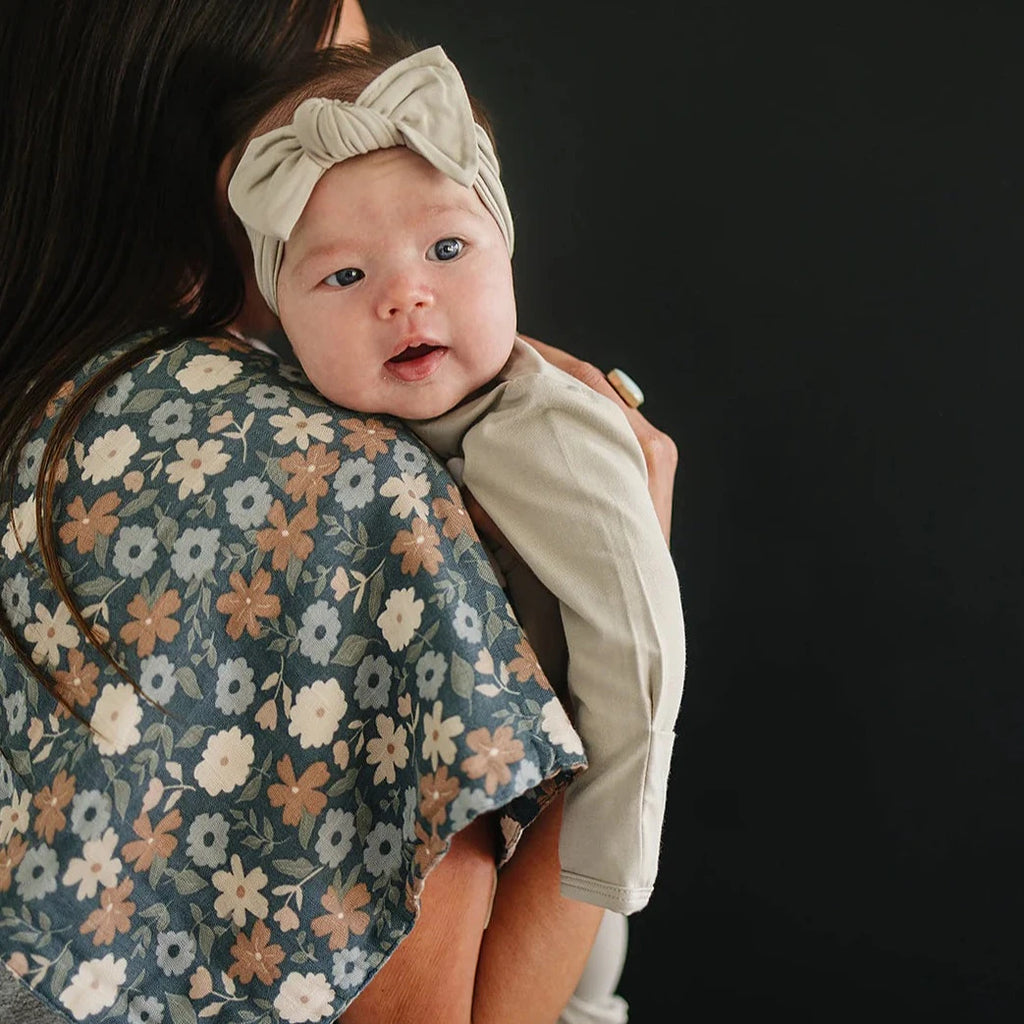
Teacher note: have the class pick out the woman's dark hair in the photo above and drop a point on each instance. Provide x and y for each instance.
(112, 132)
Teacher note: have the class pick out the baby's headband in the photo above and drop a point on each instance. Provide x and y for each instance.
(419, 102)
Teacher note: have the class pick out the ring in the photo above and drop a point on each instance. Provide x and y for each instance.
(628, 389)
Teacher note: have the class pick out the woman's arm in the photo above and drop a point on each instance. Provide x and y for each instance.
(521, 969)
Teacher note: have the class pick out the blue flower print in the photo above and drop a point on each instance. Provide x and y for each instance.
(467, 623)
(466, 806)
(266, 396)
(528, 775)
(135, 551)
(6, 779)
(14, 595)
(170, 420)
(350, 967)
(318, 634)
(157, 679)
(235, 689)
(111, 402)
(334, 838)
(383, 853)
(373, 682)
(17, 710)
(175, 952)
(410, 459)
(430, 673)
(195, 552)
(145, 1010)
(90, 814)
(247, 502)
(208, 840)
(354, 483)
(28, 463)
(36, 876)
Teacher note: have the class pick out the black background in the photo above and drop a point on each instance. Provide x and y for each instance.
(800, 230)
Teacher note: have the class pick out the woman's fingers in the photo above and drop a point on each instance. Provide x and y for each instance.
(660, 452)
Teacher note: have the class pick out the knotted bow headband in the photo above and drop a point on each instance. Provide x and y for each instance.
(419, 102)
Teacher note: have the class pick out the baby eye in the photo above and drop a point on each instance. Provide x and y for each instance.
(447, 248)
(342, 278)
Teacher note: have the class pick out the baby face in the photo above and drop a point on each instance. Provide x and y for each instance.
(396, 287)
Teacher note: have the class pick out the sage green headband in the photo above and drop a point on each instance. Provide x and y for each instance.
(419, 102)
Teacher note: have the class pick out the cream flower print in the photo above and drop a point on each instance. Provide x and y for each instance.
(98, 866)
(14, 816)
(109, 455)
(197, 462)
(304, 998)
(115, 719)
(298, 427)
(387, 750)
(408, 492)
(240, 892)
(21, 528)
(316, 713)
(438, 733)
(207, 372)
(49, 633)
(95, 986)
(226, 761)
(555, 722)
(403, 612)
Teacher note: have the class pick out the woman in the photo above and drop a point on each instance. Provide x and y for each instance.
(116, 610)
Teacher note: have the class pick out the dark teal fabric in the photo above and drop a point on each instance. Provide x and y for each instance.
(330, 685)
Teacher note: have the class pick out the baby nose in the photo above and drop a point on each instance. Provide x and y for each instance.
(403, 295)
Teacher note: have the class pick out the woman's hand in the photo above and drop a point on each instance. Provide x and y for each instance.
(660, 452)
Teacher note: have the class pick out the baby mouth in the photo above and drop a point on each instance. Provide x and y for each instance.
(413, 352)
(417, 362)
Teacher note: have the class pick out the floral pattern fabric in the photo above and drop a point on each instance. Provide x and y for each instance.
(323, 682)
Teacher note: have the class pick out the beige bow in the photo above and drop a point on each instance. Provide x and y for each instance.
(419, 102)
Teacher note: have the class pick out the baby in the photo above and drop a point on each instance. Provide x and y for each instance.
(382, 238)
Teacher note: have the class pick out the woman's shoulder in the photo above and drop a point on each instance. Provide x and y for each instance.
(326, 684)
(196, 369)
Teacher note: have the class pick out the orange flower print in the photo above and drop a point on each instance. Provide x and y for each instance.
(454, 515)
(66, 390)
(418, 547)
(152, 842)
(86, 523)
(343, 916)
(494, 753)
(298, 795)
(286, 538)
(248, 603)
(428, 849)
(226, 345)
(10, 858)
(437, 792)
(50, 801)
(526, 666)
(369, 436)
(307, 472)
(76, 686)
(255, 956)
(151, 621)
(113, 915)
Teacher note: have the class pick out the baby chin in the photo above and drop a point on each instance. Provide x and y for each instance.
(426, 380)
